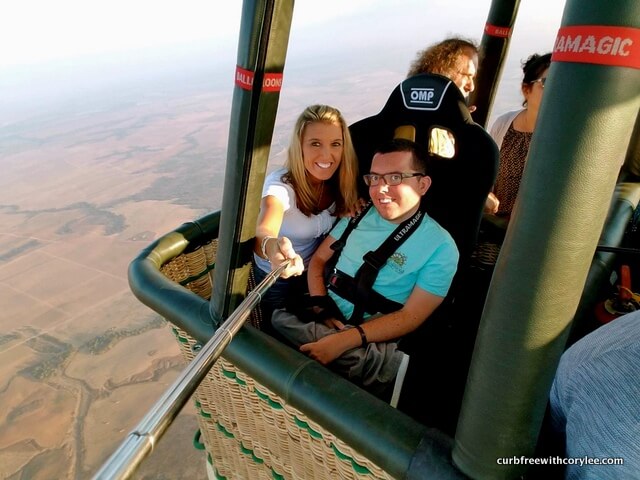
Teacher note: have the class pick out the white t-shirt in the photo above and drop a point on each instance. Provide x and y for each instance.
(305, 233)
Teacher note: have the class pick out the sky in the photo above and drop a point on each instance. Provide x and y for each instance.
(37, 31)
(59, 42)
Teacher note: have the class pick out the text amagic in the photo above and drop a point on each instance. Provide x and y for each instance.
(602, 45)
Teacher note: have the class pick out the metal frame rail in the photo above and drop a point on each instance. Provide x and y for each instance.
(140, 442)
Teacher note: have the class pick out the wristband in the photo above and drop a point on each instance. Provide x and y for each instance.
(363, 336)
(263, 246)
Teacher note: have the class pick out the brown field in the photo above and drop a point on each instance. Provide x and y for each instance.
(81, 360)
(83, 190)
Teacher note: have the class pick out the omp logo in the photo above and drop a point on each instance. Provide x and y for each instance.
(602, 45)
(422, 95)
(423, 92)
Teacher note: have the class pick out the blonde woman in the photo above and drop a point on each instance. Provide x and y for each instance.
(301, 201)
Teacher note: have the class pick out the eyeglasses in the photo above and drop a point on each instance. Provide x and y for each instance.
(391, 179)
(541, 80)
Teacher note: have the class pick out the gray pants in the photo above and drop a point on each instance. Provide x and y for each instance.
(374, 364)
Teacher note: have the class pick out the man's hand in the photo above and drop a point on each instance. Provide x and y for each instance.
(328, 348)
(334, 323)
(491, 204)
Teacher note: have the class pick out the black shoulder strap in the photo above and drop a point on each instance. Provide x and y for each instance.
(374, 261)
(339, 244)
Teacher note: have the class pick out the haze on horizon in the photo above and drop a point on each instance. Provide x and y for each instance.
(64, 50)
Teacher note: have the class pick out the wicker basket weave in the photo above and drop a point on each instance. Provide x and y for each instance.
(486, 254)
(248, 431)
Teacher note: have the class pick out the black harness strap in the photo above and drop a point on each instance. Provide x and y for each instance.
(358, 290)
(345, 286)
(339, 244)
(374, 261)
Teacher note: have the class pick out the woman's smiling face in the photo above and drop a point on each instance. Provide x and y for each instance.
(322, 149)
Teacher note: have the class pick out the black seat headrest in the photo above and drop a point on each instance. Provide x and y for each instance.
(461, 183)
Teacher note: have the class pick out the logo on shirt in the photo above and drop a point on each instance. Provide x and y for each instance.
(397, 261)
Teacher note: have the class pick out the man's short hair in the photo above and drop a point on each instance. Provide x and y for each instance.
(419, 154)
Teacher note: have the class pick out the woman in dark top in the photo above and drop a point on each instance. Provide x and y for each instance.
(512, 132)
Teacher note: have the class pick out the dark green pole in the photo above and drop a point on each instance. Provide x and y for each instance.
(262, 48)
(493, 50)
(590, 106)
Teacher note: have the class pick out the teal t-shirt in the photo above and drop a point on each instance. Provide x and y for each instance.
(427, 259)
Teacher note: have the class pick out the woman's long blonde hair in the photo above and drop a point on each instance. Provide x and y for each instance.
(343, 185)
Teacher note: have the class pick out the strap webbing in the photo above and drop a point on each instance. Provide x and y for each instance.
(345, 286)
(374, 261)
(339, 244)
(360, 291)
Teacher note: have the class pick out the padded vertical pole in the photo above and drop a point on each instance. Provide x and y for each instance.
(493, 48)
(591, 101)
(262, 48)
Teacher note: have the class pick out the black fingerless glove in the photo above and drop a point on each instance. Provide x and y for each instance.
(322, 307)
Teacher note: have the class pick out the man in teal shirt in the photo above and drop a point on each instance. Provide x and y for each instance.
(417, 276)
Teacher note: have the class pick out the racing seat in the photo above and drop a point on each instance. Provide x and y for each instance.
(430, 110)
